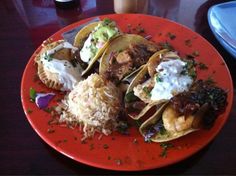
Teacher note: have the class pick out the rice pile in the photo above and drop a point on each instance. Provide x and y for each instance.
(94, 103)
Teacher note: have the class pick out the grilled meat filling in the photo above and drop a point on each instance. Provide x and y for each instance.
(201, 93)
(126, 61)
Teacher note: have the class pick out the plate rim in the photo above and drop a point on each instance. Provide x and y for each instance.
(101, 166)
(220, 39)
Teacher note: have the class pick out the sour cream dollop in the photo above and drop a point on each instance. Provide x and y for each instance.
(171, 79)
(68, 75)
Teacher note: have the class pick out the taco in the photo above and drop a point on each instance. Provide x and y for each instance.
(56, 68)
(164, 76)
(92, 40)
(185, 113)
(125, 55)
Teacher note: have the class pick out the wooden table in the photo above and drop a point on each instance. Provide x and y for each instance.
(25, 24)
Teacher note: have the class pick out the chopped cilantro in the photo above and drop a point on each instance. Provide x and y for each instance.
(138, 123)
(195, 53)
(158, 79)
(48, 110)
(165, 147)
(163, 153)
(123, 127)
(171, 36)
(105, 35)
(147, 91)
(29, 111)
(202, 66)
(189, 56)
(106, 21)
(47, 57)
(210, 80)
(191, 63)
(32, 94)
(61, 141)
(105, 146)
(129, 97)
(166, 45)
(162, 130)
(193, 74)
(188, 42)
(190, 68)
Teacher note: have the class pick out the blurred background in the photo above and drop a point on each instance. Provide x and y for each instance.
(42, 14)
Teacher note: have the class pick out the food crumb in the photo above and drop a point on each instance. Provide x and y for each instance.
(222, 63)
(135, 141)
(83, 142)
(91, 146)
(179, 147)
(188, 42)
(202, 66)
(171, 35)
(50, 130)
(118, 161)
(105, 146)
(165, 147)
(61, 141)
(29, 111)
(195, 53)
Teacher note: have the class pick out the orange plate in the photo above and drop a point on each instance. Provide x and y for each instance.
(122, 152)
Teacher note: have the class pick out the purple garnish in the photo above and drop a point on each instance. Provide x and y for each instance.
(157, 126)
(153, 129)
(42, 99)
(148, 37)
(148, 135)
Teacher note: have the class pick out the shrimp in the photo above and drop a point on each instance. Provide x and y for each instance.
(174, 123)
(168, 117)
(183, 123)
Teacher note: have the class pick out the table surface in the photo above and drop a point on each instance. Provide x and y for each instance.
(25, 24)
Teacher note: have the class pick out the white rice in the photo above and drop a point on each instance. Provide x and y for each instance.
(94, 103)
